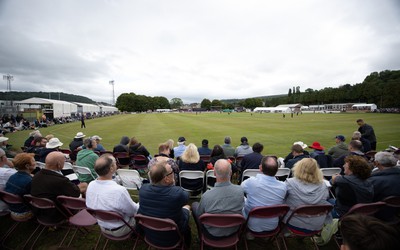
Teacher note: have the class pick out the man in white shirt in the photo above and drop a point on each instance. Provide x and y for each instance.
(105, 194)
(263, 190)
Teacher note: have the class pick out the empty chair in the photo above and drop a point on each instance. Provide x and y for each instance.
(268, 212)
(192, 181)
(210, 179)
(83, 171)
(221, 221)
(110, 216)
(78, 215)
(282, 174)
(129, 178)
(250, 173)
(160, 233)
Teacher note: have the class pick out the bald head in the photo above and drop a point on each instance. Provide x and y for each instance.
(222, 170)
(55, 161)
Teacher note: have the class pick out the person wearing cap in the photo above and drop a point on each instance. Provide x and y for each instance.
(298, 154)
(87, 158)
(290, 155)
(178, 151)
(77, 142)
(227, 147)
(324, 161)
(99, 147)
(204, 149)
(4, 145)
(339, 149)
(244, 148)
(367, 132)
(53, 145)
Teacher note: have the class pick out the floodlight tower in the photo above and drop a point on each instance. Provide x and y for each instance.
(113, 94)
(9, 78)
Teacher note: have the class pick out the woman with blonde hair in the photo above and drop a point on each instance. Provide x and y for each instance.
(190, 160)
(171, 144)
(306, 188)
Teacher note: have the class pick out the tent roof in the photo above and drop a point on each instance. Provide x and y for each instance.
(36, 100)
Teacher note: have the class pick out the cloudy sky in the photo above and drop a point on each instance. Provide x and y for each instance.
(215, 49)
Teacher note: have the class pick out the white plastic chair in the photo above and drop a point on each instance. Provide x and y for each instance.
(328, 172)
(40, 164)
(83, 171)
(282, 173)
(129, 178)
(210, 174)
(250, 173)
(191, 175)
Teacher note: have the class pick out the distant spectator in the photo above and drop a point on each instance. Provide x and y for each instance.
(367, 132)
(178, 151)
(190, 160)
(6, 170)
(123, 147)
(366, 145)
(227, 147)
(324, 161)
(4, 145)
(164, 155)
(77, 142)
(339, 149)
(204, 149)
(244, 148)
(39, 143)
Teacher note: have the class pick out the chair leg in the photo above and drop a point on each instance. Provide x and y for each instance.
(34, 242)
(4, 238)
(98, 240)
(69, 229)
(284, 241)
(27, 241)
(105, 244)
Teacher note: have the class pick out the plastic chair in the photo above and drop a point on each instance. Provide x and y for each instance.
(210, 178)
(238, 160)
(308, 211)
(191, 175)
(65, 151)
(83, 171)
(130, 178)
(123, 159)
(106, 152)
(392, 208)
(205, 158)
(161, 228)
(366, 208)
(82, 218)
(10, 198)
(110, 216)
(139, 162)
(42, 205)
(250, 173)
(282, 174)
(328, 172)
(264, 212)
(221, 221)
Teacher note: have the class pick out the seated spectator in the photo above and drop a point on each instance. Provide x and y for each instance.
(6, 170)
(164, 155)
(170, 144)
(362, 232)
(39, 143)
(178, 151)
(162, 199)
(32, 135)
(99, 147)
(252, 160)
(136, 148)
(324, 161)
(353, 187)
(122, 147)
(87, 158)
(298, 155)
(50, 183)
(227, 147)
(51, 146)
(263, 190)
(340, 149)
(4, 145)
(290, 155)
(20, 184)
(105, 194)
(366, 145)
(218, 153)
(77, 142)
(354, 148)
(306, 188)
(244, 148)
(190, 160)
(204, 149)
(224, 198)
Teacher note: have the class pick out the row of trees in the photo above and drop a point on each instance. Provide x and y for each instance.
(381, 88)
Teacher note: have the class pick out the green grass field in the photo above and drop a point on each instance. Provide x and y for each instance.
(276, 133)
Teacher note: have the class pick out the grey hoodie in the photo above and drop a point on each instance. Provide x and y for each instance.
(243, 150)
(302, 193)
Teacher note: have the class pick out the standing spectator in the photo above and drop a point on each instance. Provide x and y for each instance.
(224, 198)
(339, 149)
(367, 132)
(178, 151)
(87, 158)
(83, 125)
(227, 147)
(263, 190)
(204, 149)
(105, 194)
(244, 148)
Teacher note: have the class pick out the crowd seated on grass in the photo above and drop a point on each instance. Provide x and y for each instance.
(357, 184)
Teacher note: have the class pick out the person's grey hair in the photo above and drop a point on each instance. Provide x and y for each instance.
(356, 135)
(227, 140)
(223, 173)
(386, 159)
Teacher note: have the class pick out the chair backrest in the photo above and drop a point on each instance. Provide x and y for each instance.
(392, 201)
(109, 216)
(210, 179)
(10, 198)
(250, 173)
(79, 170)
(366, 208)
(123, 158)
(72, 203)
(191, 175)
(238, 160)
(324, 161)
(282, 174)
(269, 211)
(205, 158)
(222, 220)
(310, 211)
(40, 203)
(130, 178)
(65, 151)
(40, 164)
(328, 172)
(139, 161)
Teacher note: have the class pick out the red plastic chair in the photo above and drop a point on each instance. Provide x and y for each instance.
(222, 221)
(366, 208)
(123, 159)
(139, 162)
(265, 212)
(308, 211)
(161, 227)
(10, 198)
(111, 216)
(82, 218)
(205, 158)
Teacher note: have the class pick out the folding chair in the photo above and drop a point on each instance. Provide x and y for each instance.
(43, 205)
(106, 152)
(308, 211)
(110, 216)
(10, 198)
(265, 212)
(65, 151)
(160, 230)
(139, 162)
(187, 176)
(205, 158)
(221, 221)
(250, 173)
(282, 174)
(130, 178)
(366, 208)
(238, 160)
(83, 171)
(328, 172)
(82, 218)
(123, 159)
(210, 179)
(392, 209)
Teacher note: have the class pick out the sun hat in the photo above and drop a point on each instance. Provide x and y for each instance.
(96, 137)
(301, 144)
(316, 145)
(79, 135)
(53, 143)
(2, 139)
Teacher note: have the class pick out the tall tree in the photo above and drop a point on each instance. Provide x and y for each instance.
(205, 104)
(176, 103)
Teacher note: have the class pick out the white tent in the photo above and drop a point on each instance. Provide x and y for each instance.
(85, 108)
(49, 107)
(365, 106)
